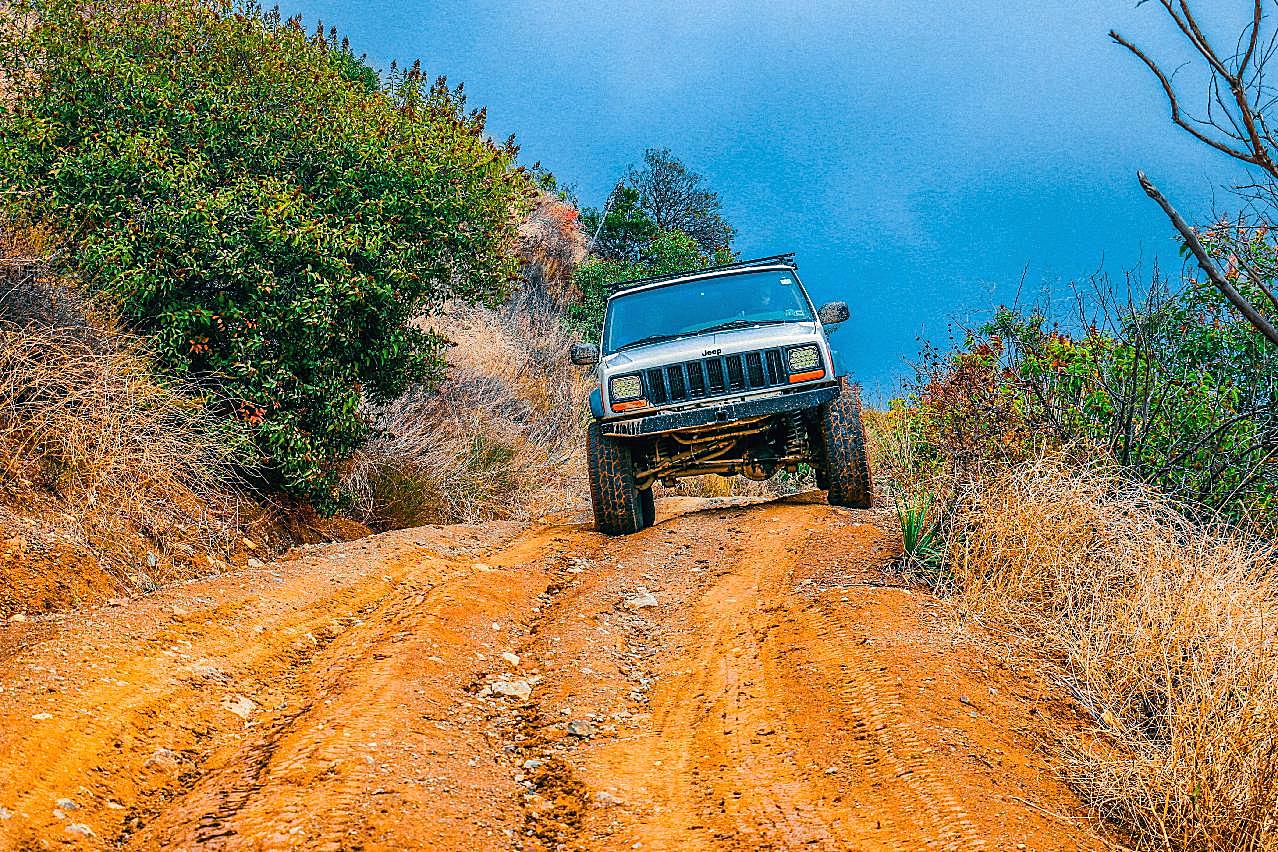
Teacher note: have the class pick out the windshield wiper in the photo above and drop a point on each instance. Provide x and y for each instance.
(655, 338)
(728, 326)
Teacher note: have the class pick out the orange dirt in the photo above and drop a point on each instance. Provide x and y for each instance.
(491, 688)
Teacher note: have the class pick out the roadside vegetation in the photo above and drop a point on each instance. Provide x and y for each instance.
(113, 481)
(270, 212)
(1097, 489)
(503, 435)
(224, 239)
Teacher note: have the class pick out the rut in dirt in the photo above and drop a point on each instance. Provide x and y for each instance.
(739, 676)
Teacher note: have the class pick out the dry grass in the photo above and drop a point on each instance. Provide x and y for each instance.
(503, 438)
(1164, 630)
(100, 458)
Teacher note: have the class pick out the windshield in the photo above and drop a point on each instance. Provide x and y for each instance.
(729, 301)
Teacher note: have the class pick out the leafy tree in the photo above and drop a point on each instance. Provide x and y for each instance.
(662, 197)
(259, 202)
(660, 220)
(676, 199)
(626, 231)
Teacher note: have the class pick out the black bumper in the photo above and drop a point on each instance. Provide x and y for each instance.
(722, 413)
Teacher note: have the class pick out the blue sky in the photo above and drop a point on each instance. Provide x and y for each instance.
(918, 156)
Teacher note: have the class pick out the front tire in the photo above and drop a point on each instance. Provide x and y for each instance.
(618, 504)
(842, 434)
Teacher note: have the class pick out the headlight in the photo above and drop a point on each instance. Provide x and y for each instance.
(804, 359)
(622, 388)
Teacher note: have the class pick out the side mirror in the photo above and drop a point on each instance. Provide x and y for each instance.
(833, 313)
(584, 354)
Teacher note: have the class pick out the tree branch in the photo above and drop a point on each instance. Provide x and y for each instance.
(1213, 272)
(1177, 118)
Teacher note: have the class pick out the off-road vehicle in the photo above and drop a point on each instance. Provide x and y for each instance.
(726, 371)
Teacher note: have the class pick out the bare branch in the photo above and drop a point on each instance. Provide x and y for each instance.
(1179, 119)
(1257, 15)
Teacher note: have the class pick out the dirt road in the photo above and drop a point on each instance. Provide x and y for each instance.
(736, 677)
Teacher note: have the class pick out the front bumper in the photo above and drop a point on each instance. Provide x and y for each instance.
(722, 413)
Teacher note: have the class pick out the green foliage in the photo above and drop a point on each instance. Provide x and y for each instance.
(625, 232)
(663, 197)
(667, 253)
(919, 529)
(1180, 391)
(661, 220)
(675, 198)
(259, 202)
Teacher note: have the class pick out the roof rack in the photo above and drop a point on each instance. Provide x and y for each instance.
(786, 259)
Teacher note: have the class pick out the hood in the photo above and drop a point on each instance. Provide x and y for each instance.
(692, 348)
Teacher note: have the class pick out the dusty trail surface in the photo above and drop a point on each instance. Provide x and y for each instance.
(736, 677)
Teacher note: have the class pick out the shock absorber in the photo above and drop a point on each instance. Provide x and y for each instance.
(796, 436)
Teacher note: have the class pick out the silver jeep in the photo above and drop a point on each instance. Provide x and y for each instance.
(726, 371)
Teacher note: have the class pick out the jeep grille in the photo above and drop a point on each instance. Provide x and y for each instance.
(709, 377)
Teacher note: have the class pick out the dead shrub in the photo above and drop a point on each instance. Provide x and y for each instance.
(1162, 628)
(98, 451)
(502, 438)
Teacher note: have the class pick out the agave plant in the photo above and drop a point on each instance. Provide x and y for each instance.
(919, 529)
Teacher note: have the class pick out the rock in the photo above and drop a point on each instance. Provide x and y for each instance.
(206, 669)
(254, 562)
(240, 705)
(249, 543)
(5, 813)
(163, 760)
(80, 828)
(641, 599)
(40, 717)
(604, 797)
(520, 689)
(18, 617)
(67, 805)
(511, 658)
(581, 728)
(152, 560)
(533, 763)
(963, 699)
(117, 602)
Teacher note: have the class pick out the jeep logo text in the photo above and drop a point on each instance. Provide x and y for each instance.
(710, 352)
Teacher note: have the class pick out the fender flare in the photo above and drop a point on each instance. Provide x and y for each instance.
(596, 404)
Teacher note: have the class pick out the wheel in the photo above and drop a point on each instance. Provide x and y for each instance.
(649, 504)
(842, 448)
(618, 504)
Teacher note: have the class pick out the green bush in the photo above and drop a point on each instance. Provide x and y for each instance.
(1179, 391)
(259, 202)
